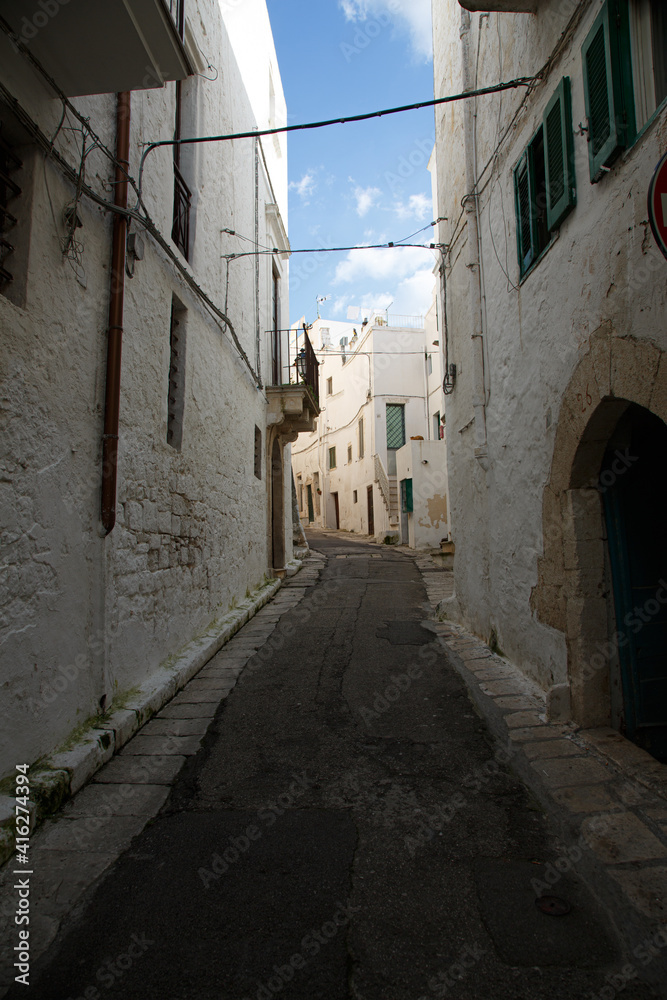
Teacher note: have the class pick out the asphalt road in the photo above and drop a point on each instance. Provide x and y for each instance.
(348, 831)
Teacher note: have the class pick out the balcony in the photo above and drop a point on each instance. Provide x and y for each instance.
(101, 46)
(506, 6)
(294, 404)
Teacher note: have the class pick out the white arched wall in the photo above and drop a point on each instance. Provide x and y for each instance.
(570, 595)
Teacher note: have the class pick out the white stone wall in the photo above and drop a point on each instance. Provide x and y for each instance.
(603, 268)
(386, 365)
(83, 617)
(425, 463)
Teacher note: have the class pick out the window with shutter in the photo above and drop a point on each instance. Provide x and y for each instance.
(176, 388)
(524, 214)
(395, 425)
(559, 155)
(608, 86)
(407, 505)
(544, 179)
(530, 187)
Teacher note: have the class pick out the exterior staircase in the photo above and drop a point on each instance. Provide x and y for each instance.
(389, 490)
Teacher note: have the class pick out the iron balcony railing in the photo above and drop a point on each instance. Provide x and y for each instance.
(180, 233)
(301, 366)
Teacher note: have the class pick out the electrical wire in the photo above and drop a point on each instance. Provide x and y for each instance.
(371, 246)
(524, 81)
(362, 246)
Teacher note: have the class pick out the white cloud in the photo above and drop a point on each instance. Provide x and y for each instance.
(366, 199)
(415, 15)
(305, 187)
(388, 266)
(414, 295)
(418, 208)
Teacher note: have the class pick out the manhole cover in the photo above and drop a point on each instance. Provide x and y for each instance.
(553, 906)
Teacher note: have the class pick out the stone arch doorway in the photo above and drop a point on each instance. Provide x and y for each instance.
(277, 507)
(618, 385)
(633, 484)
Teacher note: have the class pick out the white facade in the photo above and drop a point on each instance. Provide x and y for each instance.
(86, 617)
(549, 355)
(346, 475)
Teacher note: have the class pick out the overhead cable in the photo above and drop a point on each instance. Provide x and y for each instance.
(523, 81)
(364, 246)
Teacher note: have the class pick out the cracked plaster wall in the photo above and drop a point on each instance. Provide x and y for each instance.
(81, 616)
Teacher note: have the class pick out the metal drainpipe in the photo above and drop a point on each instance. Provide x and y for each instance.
(116, 302)
(474, 272)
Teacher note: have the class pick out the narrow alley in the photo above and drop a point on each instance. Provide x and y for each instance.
(322, 814)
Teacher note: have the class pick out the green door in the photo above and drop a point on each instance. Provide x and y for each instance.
(311, 511)
(634, 486)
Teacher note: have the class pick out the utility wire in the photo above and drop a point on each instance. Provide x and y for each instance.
(365, 246)
(523, 81)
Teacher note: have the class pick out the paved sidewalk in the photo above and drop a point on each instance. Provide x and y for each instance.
(70, 852)
(600, 789)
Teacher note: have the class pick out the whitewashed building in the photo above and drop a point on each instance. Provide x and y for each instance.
(142, 492)
(557, 325)
(376, 463)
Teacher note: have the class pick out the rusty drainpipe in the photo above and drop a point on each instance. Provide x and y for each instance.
(116, 300)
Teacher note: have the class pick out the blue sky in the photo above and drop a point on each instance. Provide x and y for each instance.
(364, 182)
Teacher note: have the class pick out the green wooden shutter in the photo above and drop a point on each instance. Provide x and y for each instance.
(559, 155)
(524, 213)
(406, 496)
(608, 86)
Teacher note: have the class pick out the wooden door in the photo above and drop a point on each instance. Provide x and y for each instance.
(634, 481)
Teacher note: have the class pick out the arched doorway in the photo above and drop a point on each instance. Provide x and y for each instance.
(616, 399)
(633, 484)
(277, 507)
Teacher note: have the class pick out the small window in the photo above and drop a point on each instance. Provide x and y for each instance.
(10, 192)
(361, 438)
(329, 386)
(395, 425)
(354, 496)
(608, 86)
(332, 458)
(648, 35)
(436, 426)
(544, 179)
(258, 453)
(349, 454)
(406, 496)
(176, 397)
(429, 364)
(18, 163)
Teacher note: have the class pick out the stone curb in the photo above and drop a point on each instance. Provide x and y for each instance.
(61, 775)
(592, 783)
